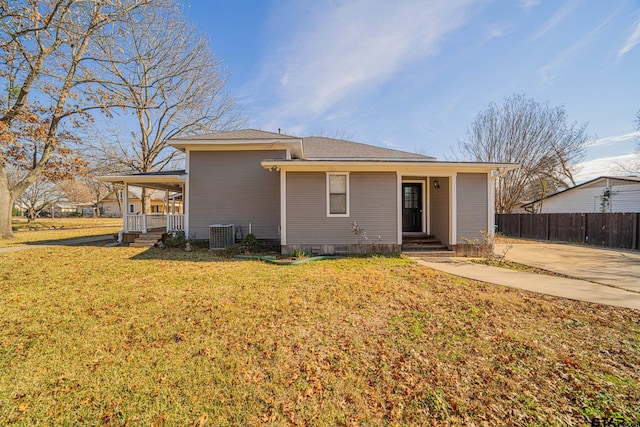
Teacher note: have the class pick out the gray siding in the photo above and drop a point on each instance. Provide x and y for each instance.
(472, 205)
(439, 202)
(231, 187)
(373, 206)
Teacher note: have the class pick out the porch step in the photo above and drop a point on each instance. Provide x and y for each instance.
(417, 247)
(430, 254)
(424, 245)
(419, 238)
(148, 240)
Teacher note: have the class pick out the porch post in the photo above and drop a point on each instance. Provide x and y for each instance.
(453, 204)
(143, 222)
(491, 214)
(125, 208)
(166, 202)
(399, 208)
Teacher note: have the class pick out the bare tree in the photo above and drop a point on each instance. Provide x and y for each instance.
(75, 191)
(40, 196)
(630, 166)
(44, 69)
(341, 133)
(537, 137)
(168, 83)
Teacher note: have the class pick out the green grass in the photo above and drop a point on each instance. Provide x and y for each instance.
(51, 230)
(121, 336)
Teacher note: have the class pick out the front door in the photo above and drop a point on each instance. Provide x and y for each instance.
(412, 207)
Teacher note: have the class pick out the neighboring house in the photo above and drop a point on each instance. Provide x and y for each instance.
(308, 192)
(110, 205)
(603, 194)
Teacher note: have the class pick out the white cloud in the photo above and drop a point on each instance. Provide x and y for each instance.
(604, 166)
(527, 5)
(555, 20)
(566, 55)
(631, 42)
(608, 140)
(346, 49)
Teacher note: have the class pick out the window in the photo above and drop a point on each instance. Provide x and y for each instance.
(131, 208)
(337, 194)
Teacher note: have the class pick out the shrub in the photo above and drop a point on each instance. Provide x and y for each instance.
(175, 239)
(297, 254)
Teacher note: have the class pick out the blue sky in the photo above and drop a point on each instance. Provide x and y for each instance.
(412, 75)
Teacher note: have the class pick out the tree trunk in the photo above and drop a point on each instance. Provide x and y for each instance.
(6, 206)
(146, 200)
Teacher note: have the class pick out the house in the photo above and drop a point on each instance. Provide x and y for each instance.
(604, 194)
(307, 193)
(110, 205)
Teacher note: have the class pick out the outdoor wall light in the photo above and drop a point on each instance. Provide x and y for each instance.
(436, 184)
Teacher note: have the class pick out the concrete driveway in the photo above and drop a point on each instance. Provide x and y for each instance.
(606, 266)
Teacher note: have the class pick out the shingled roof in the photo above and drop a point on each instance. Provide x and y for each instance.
(316, 147)
(313, 147)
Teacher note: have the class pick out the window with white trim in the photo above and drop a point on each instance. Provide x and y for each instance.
(337, 194)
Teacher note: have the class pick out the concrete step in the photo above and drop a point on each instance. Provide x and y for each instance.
(142, 244)
(424, 247)
(421, 242)
(152, 235)
(429, 254)
(152, 241)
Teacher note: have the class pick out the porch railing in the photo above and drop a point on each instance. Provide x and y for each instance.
(145, 222)
(175, 222)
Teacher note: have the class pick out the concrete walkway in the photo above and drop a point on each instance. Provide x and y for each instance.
(67, 242)
(611, 267)
(575, 289)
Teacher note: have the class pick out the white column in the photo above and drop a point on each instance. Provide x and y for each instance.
(283, 207)
(125, 207)
(453, 204)
(399, 207)
(427, 204)
(185, 206)
(491, 205)
(143, 222)
(166, 210)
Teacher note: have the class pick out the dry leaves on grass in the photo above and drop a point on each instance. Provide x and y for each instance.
(143, 338)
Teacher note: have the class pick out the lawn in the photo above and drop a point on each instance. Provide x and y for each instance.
(51, 230)
(128, 336)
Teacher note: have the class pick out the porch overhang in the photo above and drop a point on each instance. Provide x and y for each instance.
(171, 181)
(404, 166)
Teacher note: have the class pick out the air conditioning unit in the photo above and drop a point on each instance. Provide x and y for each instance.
(221, 236)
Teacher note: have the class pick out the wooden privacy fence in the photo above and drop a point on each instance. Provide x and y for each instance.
(613, 230)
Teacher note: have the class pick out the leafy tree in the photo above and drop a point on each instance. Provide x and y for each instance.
(534, 135)
(47, 75)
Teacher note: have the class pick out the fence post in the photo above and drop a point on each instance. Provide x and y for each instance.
(634, 227)
(520, 225)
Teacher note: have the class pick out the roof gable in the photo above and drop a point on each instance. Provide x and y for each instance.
(316, 147)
